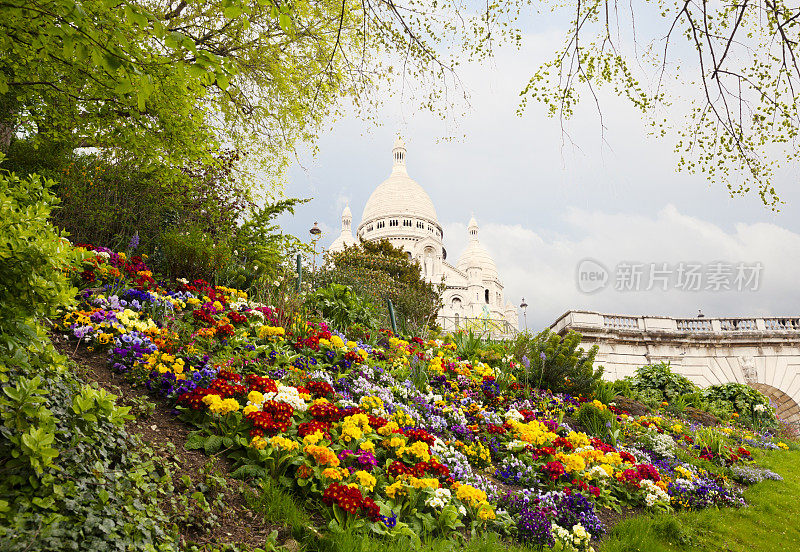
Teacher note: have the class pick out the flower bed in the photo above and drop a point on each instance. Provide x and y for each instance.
(351, 425)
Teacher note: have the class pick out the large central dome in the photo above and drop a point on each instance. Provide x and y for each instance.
(399, 195)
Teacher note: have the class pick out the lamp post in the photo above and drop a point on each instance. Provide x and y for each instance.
(524, 307)
(316, 233)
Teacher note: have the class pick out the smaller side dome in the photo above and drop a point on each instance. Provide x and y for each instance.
(476, 256)
(345, 238)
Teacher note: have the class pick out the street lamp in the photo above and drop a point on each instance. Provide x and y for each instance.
(524, 307)
(315, 235)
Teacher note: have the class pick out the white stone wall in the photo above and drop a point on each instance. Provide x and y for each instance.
(707, 351)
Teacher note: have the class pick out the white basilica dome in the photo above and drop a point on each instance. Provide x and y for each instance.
(399, 195)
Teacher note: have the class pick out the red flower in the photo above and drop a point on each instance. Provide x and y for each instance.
(320, 389)
(324, 412)
(309, 428)
(561, 442)
(236, 318)
(351, 500)
(420, 435)
(627, 457)
(259, 383)
(554, 470)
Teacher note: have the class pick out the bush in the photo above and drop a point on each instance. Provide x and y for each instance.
(550, 361)
(659, 382)
(595, 419)
(194, 254)
(342, 308)
(71, 477)
(32, 253)
(751, 405)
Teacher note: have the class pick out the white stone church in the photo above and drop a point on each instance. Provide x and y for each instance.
(401, 212)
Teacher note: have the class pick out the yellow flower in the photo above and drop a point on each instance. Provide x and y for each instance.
(313, 438)
(486, 512)
(470, 495)
(395, 488)
(337, 342)
(365, 479)
(283, 443)
(255, 397)
(572, 462)
(249, 408)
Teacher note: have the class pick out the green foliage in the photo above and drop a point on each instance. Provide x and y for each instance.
(32, 254)
(557, 363)
(259, 246)
(751, 405)
(341, 308)
(192, 253)
(72, 478)
(468, 344)
(595, 419)
(660, 382)
(377, 272)
(105, 203)
(605, 392)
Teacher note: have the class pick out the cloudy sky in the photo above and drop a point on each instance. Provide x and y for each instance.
(546, 203)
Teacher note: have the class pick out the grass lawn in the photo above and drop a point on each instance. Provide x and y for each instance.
(771, 522)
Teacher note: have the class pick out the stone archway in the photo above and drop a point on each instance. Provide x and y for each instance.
(786, 408)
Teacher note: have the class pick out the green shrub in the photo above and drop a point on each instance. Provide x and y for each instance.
(661, 379)
(595, 419)
(340, 307)
(751, 405)
(550, 361)
(378, 272)
(192, 253)
(72, 479)
(32, 253)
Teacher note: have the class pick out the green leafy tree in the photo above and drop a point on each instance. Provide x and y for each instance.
(379, 272)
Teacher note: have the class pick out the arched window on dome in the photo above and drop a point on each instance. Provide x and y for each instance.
(407, 223)
(487, 296)
(456, 303)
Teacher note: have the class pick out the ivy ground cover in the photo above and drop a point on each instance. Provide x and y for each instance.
(400, 438)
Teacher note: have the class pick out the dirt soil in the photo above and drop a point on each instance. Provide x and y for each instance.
(236, 523)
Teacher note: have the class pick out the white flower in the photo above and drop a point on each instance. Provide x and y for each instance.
(759, 408)
(290, 396)
(440, 498)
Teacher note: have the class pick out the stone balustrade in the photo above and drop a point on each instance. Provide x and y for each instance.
(763, 352)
